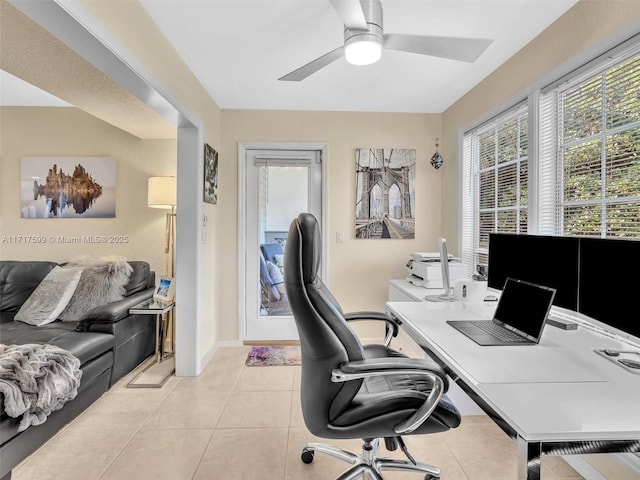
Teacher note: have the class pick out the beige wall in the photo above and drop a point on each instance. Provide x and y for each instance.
(41, 131)
(358, 269)
(590, 26)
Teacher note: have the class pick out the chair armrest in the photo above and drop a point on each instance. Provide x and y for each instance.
(391, 327)
(432, 372)
(115, 311)
(382, 365)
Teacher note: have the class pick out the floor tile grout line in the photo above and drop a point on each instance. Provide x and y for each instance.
(290, 466)
(164, 399)
(138, 430)
(226, 402)
(117, 455)
(204, 451)
(286, 451)
(453, 455)
(213, 430)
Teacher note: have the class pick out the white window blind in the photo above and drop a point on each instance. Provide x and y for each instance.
(470, 255)
(590, 153)
(586, 168)
(495, 183)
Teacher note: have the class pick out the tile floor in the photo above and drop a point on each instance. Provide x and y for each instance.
(238, 422)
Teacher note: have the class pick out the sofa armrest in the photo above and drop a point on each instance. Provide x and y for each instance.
(115, 311)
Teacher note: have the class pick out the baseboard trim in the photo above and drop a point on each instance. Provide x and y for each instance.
(228, 343)
(583, 467)
(589, 471)
(630, 460)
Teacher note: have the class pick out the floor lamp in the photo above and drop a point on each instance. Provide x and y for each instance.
(162, 194)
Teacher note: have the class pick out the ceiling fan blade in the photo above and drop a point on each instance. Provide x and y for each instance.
(351, 13)
(313, 66)
(464, 49)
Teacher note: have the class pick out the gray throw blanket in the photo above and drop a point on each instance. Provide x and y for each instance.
(36, 380)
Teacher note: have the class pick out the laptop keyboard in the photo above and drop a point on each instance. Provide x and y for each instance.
(499, 332)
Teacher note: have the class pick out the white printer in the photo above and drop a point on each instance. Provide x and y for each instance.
(424, 269)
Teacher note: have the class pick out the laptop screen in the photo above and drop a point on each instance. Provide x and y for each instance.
(524, 306)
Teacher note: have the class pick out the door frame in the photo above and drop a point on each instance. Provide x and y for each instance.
(243, 147)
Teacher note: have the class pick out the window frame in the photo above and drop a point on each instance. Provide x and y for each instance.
(471, 225)
(544, 196)
(603, 201)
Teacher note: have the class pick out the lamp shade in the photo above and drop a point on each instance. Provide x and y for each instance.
(161, 192)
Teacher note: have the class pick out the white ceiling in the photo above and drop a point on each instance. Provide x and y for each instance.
(239, 48)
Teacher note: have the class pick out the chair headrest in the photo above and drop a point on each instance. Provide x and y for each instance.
(310, 245)
(305, 239)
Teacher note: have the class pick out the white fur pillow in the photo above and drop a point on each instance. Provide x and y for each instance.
(102, 281)
(50, 297)
(276, 276)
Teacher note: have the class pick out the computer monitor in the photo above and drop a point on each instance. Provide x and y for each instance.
(447, 295)
(609, 270)
(544, 260)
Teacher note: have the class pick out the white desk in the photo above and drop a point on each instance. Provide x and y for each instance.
(400, 290)
(557, 397)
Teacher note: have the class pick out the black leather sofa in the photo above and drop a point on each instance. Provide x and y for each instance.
(108, 341)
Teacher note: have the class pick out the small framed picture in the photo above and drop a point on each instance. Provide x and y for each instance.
(165, 289)
(210, 175)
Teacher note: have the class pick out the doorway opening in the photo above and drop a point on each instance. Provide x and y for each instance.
(279, 183)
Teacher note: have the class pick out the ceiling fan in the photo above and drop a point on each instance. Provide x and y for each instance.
(364, 40)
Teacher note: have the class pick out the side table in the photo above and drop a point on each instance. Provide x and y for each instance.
(159, 309)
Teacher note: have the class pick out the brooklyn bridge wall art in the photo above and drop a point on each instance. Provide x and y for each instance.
(385, 200)
(68, 187)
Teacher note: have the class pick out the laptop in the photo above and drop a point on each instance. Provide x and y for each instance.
(519, 317)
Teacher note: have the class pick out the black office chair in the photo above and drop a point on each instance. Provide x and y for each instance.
(353, 391)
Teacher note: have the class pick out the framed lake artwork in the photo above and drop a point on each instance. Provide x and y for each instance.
(385, 197)
(68, 187)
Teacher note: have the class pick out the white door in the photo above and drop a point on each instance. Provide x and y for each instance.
(280, 184)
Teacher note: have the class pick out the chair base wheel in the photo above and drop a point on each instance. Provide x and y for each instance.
(306, 456)
(368, 464)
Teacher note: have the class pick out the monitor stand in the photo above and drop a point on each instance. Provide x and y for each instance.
(446, 284)
(443, 297)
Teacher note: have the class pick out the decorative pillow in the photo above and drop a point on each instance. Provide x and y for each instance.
(279, 260)
(50, 297)
(102, 281)
(276, 276)
(267, 282)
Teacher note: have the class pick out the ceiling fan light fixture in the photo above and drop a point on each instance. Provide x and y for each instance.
(363, 51)
(364, 47)
(364, 39)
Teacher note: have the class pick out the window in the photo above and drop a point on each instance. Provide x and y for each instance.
(496, 187)
(584, 178)
(594, 173)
